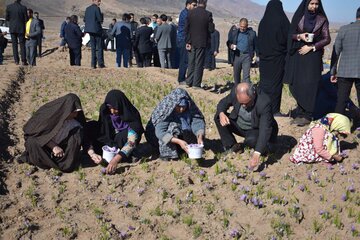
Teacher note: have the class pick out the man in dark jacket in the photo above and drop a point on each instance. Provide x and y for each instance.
(212, 51)
(109, 37)
(93, 20)
(73, 36)
(134, 25)
(251, 118)
(62, 33)
(198, 28)
(143, 44)
(42, 26)
(16, 15)
(244, 45)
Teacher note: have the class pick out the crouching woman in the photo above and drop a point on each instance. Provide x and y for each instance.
(53, 135)
(321, 141)
(175, 123)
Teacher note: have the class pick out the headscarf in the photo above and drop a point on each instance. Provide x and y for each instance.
(128, 116)
(49, 118)
(334, 122)
(167, 105)
(273, 31)
(299, 14)
(185, 117)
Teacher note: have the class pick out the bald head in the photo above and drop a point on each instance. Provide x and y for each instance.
(245, 94)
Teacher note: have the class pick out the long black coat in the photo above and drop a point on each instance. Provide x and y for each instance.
(142, 39)
(93, 19)
(73, 35)
(16, 15)
(261, 117)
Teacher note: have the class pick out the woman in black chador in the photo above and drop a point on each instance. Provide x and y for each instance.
(273, 35)
(309, 34)
(53, 135)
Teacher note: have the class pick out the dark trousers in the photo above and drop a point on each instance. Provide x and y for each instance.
(31, 53)
(195, 67)
(40, 45)
(15, 39)
(251, 136)
(97, 51)
(344, 90)
(183, 60)
(111, 42)
(156, 59)
(210, 61)
(75, 56)
(123, 53)
(242, 62)
(144, 60)
(1, 55)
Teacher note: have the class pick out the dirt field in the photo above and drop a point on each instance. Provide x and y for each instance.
(215, 198)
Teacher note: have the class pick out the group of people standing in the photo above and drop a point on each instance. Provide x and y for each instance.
(26, 29)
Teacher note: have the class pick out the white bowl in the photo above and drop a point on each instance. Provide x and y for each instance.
(195, 151)
(108, 155)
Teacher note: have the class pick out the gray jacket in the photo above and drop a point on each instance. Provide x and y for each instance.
(163, 36)
(161, 129)
(35, 32)
(347, 44)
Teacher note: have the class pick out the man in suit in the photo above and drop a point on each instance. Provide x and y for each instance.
(243, 43)
(42, 25)
(62, 33)
(93, 20)
(134, 25)
(181, 44)
(73, 36)
(109, 37)
(250, 118)
(198, 28)
(32, 33)
(122, 32)
(347, 45)
(174, 55)
(212, 51)
(16, 15)
(163, 39)
(143, 44)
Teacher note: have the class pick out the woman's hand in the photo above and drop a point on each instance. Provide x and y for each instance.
(303, 37)
(111, 168)
(181, 143)
(305, 49)
(200, 139)
(95, 157)
(58, 152)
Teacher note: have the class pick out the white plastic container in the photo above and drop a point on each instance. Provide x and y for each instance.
(310, 37)
(109, 153)
(195, 151)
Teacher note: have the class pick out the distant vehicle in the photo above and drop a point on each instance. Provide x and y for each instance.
(5, 28)
(86, 37)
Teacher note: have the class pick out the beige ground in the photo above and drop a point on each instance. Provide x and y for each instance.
(165, 200)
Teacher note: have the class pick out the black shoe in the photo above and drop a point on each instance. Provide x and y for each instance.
(93, 67)
(102, 66)
(25, 64)
(17, 63)
(301, 121)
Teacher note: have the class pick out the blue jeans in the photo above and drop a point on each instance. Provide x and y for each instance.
(125, 54)
(183, 61)
(97, 51)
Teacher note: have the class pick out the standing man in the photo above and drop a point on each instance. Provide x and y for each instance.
(243, 44)
(62, 34)
(134, 25)
(74, 40)
(181, 44)
(163, 39)
(42, 26)
(154, 19)
(198, 29)
(32, 33)
(122, 32)
(174, 55)
(110, 38)
(143, 44)
(212, 51)
(3, 45)
(16, 15)
(347, 45)
(93, 20)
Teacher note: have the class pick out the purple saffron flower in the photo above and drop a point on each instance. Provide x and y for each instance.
(209, 186)
(261, 204)
(309, 176)
(321, 198)
(123, 235)
(355, 166)
(202, 173)
(274, 199)
(334, 206)
(302, 188)
(126, 204)
(353, 229)
(330, 167)
(351, 188)
(140, 191)
(109, 198)
(262, 174)
(103, 171)
(344, 197)
(243, 197)
(255, 201)
(131, 228)
(27, 223)
(234, 233)
(240, 175)
(234, 181)
(321, 212)
(316, 180)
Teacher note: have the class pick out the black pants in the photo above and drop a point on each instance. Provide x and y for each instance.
(75, 56)
(195, 67)
(144, 60)
(344, 89)
(15, 39)
(97, 51)
(40, 45)
(251, 136)
(183, 60)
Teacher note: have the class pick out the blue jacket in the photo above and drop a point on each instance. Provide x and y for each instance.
(73, 35)
(93, 19)
(62, 29)
(182, 22)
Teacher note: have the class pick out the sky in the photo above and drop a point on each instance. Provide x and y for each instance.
(342, 11)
